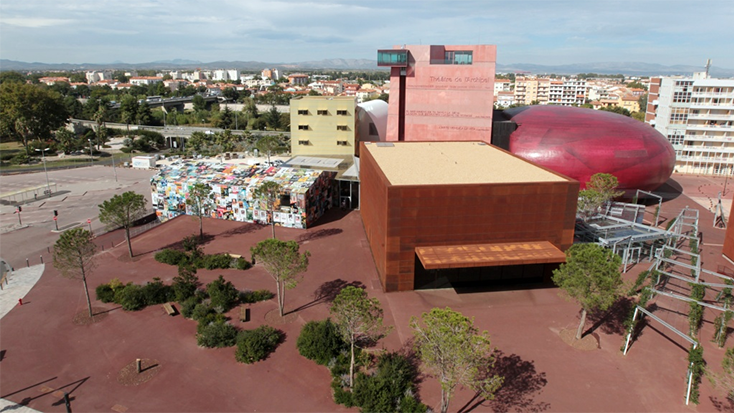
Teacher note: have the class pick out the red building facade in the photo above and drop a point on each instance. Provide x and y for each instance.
(440, 93)
(462, 211)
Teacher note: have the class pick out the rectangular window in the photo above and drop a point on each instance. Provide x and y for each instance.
(303, 111)
(342, 143)
(342, 127)
(342, 113)
(305, 142)
(302, 127)
(457, 58)
(323, 112)
(394, 58)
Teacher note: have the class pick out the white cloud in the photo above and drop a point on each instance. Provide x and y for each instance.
(33, 22)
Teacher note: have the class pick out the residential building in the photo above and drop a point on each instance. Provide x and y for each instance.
(94, 76)
(440, 92)
(145, 80)
(567, 92)
(298, 79)
(504, 99)
(502, 85)
(696, 114)
(530, 90)
(52, 80)
(323, 125)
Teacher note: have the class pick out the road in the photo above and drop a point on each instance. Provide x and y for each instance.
(176, 131)
(79, 192)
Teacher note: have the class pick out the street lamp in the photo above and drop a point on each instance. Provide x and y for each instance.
(43, 156)
(91, 157)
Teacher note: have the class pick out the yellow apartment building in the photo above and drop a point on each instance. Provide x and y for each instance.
(323, 125)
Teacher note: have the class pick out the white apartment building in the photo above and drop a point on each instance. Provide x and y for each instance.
(220, 75)
(97, 75)
(696, 114)
(502, 85)
(145, 80)
(567, 92)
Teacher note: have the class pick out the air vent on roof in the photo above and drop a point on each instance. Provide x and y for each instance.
(481, 143)
(385, 144)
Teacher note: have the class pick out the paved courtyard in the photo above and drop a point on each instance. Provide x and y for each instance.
(45, 354)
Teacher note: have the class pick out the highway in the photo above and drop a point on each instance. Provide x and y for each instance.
(177, 131)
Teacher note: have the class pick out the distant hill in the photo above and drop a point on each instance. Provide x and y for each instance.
(627, 68)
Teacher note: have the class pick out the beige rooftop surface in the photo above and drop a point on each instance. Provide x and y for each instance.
(436, 163)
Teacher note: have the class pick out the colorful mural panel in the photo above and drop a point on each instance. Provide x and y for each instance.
(311, 192)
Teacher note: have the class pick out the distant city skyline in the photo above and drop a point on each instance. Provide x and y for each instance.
(667, 32)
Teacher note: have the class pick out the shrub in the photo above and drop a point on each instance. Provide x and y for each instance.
(383, 391)
(131, 298)
(201, 311)
(216, 261)
(157, 293)
(190, 243)
(319, 341)
(186, 283)
(242, 264)
(341, 396)
(223, 294)
(188, 305)
(251, 297)
(20, 158)
(216, 334)
(172, 257)
(105, 293)
(126, 149)
(255, 345)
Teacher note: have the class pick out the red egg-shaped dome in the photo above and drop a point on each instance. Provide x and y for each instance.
(580, 142)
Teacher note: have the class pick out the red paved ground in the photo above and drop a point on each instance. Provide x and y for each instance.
(45, 351)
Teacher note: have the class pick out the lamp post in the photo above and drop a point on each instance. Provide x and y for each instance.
(43, 156)
(91, 157)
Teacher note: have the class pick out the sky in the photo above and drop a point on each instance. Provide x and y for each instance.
(667, 32)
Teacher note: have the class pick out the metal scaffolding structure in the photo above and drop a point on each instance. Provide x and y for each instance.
(620, 228)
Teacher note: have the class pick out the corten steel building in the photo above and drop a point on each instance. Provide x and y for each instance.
(438, 213)
(440, 93)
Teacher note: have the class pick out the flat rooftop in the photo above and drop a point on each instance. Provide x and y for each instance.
(437, 163)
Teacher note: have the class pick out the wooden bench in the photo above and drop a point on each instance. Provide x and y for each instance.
(170, 309)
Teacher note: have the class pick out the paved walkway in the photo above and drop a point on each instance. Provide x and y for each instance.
(19, 283)
(8, 406)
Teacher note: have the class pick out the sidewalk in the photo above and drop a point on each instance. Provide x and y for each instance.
(8, 406)
(19, 283)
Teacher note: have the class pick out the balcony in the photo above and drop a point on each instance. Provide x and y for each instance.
(711, 116)
(704, 138)
(392, 58)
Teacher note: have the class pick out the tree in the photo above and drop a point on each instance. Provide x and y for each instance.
(358, 319)
(226, 119)
(272, 118)
(283, 262)
(74, 257)
(269, 192)
(30, 112)
(100, 116)
(604, 184)
(196, 141)
(121, 211)
(143, 116)
(128, 110)
(66, 140)
(455, 352)
(616, 109)
(199, 103)
(591, 277)
(199, 201)
(268, 145)
(600, 189)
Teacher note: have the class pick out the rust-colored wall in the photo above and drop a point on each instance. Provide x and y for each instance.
(399, 218)
(728, 250)
(373, 187)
